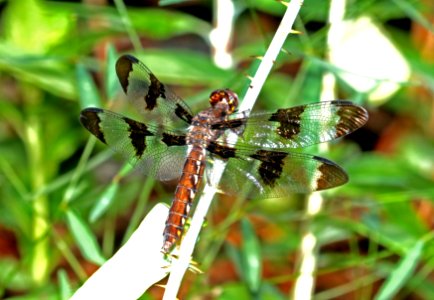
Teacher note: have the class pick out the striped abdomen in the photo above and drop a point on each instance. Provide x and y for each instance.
(185, 192)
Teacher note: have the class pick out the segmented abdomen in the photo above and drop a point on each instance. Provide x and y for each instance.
(185, 192)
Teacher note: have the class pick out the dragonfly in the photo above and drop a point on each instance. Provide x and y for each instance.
(173, 143)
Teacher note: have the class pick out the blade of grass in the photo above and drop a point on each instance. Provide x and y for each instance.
(250, 257)
(84, 238)
(69, 256)
(104, 202)
(399, 276)
(64, 285)
(111, 80)
(135, 39)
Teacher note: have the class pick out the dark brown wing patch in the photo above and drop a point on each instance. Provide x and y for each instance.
(90, 120)
(289, 121)
(124, 66)
(183, 114)
(229, 124)
(271, 166)
(138, 133)
(173, 140)
(220, 150)
(329, 174)
(156, 89)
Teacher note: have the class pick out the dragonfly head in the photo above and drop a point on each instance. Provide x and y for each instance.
(226, 98)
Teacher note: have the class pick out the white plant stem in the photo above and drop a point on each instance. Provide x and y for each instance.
(181, 264)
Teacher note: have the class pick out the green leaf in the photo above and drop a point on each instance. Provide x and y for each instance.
(183, 67)
(51, 74)
(88, 92)
(234, 291)
(64, 285)
(163, 24)
(34, 30)
(171, 2)
(273, 7)
(312, 82)
(111, 80)
(250, 257)
(402, 273)
(412, 11)
(274, 95)
(104, 202)
(84, 238)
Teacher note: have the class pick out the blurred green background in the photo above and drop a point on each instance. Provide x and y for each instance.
(67, 203)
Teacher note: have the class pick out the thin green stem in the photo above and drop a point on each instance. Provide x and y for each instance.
(69, 193)
(35, 152)
(69, 256)
(123, 12)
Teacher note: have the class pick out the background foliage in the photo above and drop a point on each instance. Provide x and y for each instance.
(66, 204)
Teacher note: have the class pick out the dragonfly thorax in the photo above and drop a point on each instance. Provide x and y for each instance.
(200, 132)
(225, 99)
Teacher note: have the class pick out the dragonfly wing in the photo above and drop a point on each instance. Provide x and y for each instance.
(155, 101)
(156, 153)
(296, 127)
(267, 173)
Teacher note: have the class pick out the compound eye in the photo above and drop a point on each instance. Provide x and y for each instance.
(226, 96)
